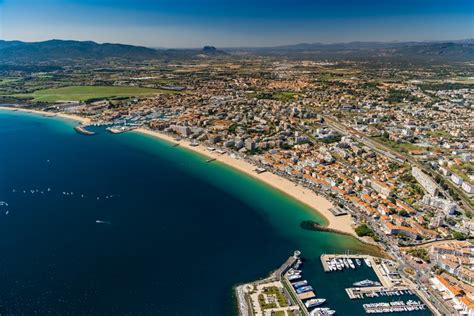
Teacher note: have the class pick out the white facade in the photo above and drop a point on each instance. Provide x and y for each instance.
(456, 179)
(446, 206)
(469, 188)
(425, 181)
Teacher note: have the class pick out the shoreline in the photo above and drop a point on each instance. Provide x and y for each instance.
(317, 203)
(72, 117)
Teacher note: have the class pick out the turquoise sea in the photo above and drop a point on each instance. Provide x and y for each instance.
(176, 233)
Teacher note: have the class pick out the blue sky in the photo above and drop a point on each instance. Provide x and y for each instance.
(225, 23)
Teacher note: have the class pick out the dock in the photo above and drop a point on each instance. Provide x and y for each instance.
(393, 307)
(284, 267)
(355, 293)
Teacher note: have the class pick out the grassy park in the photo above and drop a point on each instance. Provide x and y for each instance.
(84, 93)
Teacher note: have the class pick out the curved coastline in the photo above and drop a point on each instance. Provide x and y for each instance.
(306, 196)
(316, 202)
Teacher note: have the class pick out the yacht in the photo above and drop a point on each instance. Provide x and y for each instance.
(366, 283)
(300, 283)
(320, 311)
(314, 302)
(294, 277)
(303, 289)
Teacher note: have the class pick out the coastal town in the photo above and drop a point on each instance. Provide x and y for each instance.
(384, 153)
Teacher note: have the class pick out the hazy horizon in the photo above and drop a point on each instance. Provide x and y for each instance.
(243, 46)
(193, 23)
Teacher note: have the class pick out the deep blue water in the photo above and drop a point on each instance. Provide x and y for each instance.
(182, 232)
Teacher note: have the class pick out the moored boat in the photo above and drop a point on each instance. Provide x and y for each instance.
(314, 302)
(300, 283)
(304, 289)
(366, 283)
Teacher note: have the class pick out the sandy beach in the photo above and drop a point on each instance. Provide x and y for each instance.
(82, 120)
(317, 202)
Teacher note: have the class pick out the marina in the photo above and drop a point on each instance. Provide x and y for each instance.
(118, 129)
(303, 292)
(300, 295)
(388, 283)
(305, 296)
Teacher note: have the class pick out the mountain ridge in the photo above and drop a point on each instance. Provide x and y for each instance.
(62, 50)
(59, 51)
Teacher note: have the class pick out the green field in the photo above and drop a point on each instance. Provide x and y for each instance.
(84, 93)
(8, 80)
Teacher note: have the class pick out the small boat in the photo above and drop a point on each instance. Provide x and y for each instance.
(298, 264)
(367, 262)
(358, 262)
(314, 302)
(346, 263)
(351, 264)
(103, 222)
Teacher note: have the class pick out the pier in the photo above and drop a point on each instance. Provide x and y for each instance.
(355, 293)
(284, 267)
(277, 283)
(82, 130)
